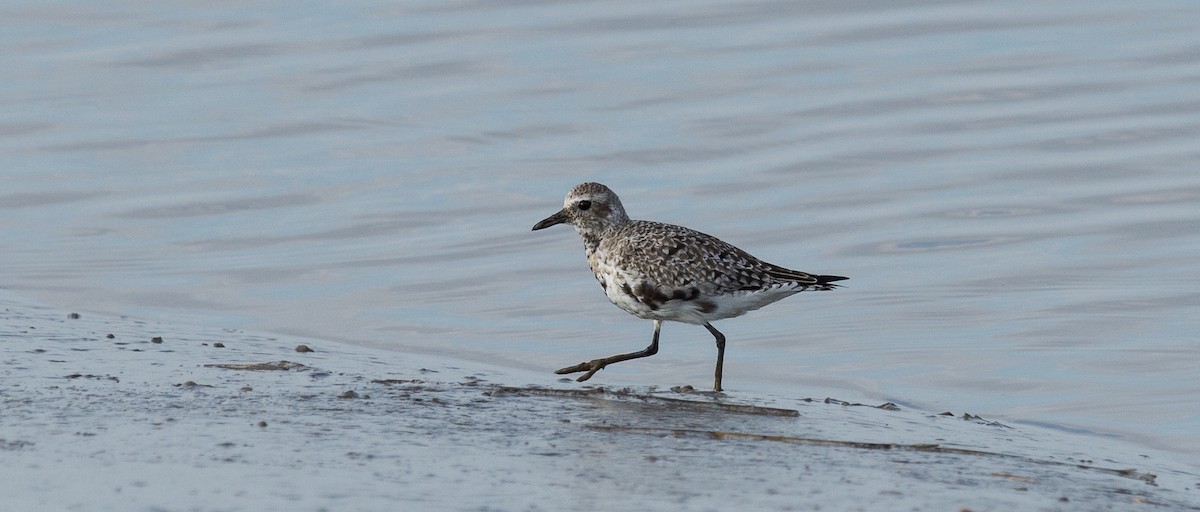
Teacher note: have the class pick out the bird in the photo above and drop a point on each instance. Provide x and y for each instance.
(663, 272)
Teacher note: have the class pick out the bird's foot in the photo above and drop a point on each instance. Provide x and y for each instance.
(591, 367)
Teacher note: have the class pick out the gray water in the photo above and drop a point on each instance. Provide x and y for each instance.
(1011, 187)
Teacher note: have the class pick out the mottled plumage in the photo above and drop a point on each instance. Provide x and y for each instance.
(663, 272)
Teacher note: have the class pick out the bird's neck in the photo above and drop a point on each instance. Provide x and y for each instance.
(595, 234)
(591, 239)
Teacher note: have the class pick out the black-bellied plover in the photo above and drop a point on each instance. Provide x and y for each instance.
(663, 272)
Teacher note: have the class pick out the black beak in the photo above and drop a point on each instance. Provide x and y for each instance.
(558, 218)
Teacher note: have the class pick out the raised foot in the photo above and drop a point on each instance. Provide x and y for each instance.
(591, 367)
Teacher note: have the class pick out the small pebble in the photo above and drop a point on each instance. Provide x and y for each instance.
(303, 348)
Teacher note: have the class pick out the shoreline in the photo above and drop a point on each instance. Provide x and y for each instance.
(214, 419)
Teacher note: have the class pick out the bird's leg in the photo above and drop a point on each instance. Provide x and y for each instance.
(720, 354)
(595, 365)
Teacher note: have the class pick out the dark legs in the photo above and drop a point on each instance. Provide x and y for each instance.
(720, 354)
(595, 365)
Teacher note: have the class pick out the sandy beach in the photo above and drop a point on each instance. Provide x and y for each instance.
(104, 413)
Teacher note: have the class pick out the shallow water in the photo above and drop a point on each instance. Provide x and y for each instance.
(1011, 188)
(108, 413)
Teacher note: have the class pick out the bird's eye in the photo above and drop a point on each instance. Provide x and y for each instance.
(583, 205)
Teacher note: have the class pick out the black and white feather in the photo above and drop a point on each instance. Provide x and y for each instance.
(666, 272)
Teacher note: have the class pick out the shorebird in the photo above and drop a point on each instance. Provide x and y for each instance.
(660, 272)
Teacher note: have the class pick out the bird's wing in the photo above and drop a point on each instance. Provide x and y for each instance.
(677, 258)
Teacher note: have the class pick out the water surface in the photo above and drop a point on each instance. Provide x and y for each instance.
(1011, 188)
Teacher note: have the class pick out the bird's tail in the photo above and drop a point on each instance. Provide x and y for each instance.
(804, 279)
(826, 282)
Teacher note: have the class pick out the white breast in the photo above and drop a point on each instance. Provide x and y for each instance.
(618, 286)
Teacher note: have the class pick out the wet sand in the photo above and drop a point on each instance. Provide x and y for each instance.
(103, 413)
